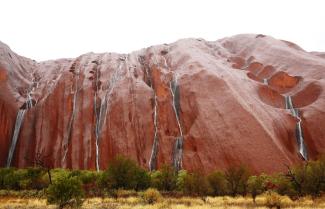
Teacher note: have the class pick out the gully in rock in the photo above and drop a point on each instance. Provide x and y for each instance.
(18, 123)
(154, 151)
(102, 112)
(155, 144)
(299, 134)
(19, 120)
(178, 148)
(74, 103)
(97, 113)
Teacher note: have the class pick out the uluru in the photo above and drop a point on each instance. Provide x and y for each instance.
(195, 104)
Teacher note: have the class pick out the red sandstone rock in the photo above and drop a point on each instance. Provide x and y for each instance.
(226, 113)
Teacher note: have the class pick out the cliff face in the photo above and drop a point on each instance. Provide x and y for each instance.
(194, 104)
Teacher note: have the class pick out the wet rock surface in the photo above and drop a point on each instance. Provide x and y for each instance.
(193, 104)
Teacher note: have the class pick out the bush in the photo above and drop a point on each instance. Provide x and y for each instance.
(37, 178)
(3, 173)
(14, 179)
(237, 180)
(196, 184)
(257, 185)
(123, 173)
(151, 196)
(180, 181)
(282, 185)
(164, 179)
(65, 190)
(218, 183)
(88, 177)
(273, 200)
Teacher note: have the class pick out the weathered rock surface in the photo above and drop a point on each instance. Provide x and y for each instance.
(206, 105)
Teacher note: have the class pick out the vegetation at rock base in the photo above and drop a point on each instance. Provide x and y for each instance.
(124, 179)
(151, 196)
(66, 190)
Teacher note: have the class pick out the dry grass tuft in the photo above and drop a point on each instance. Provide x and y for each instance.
(169, 203)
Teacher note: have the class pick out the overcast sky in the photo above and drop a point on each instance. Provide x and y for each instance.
(50, 29)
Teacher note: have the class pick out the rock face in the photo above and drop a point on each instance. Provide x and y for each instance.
(247, 99)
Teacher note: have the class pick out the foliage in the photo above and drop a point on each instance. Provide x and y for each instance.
(218, 183)
(257, 185)
(196, 184)
(151, 196)
(180, 181)
(237, 180)
(164, 179)
(123, 173)
(65, 190)
(273, 200)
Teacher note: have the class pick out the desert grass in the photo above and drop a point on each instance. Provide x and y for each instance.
(168, 203)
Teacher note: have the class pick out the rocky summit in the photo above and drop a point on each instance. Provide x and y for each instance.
(194, 104)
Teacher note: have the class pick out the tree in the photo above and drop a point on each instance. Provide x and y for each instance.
(123, 173)
(196, 184)
(164, 179)
(257, 185)
(65, 190)
(42, 161)
(309, 178)
(315, 178)
(218, 183)
(298, 177)
(281, 184)
(237, 180)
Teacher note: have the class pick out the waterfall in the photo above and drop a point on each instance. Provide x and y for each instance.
(153, 156)
(97, 125)
(29, 102)
(265, 81)
(178, 147)
(101, 114)
(288, 102)
(178, 152)
(69, 130)
(19, 121)
(299, 134)
(174, 89)
(20, 117)
(300, 140)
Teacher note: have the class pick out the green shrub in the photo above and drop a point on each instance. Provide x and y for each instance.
(36, 178)
(282, 185)
(237, 180)
(218, 183)
(15, 179)
(65, 190)
(3, 174)
(142, 179)
(180, 181)
(196, 184)
(123, 173)
(155, 179)
(164, 179)
(87, 177)
(151, 196)
(314, 179)
(257, 185)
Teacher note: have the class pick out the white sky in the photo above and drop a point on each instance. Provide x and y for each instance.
(50, 29)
